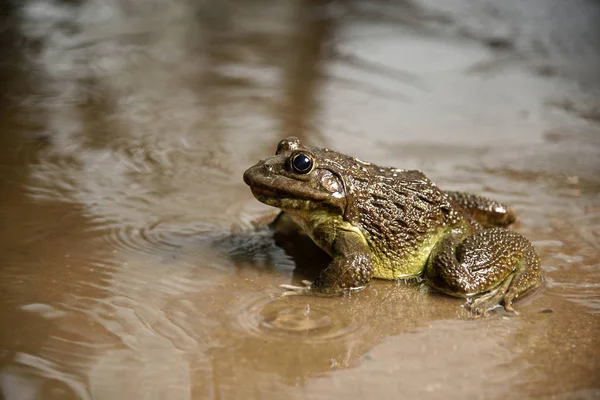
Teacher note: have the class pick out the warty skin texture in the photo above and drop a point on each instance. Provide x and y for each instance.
(390, 223)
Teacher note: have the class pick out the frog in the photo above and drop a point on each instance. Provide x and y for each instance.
(395, 224)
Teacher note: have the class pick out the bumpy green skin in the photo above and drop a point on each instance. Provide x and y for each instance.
(390, 223)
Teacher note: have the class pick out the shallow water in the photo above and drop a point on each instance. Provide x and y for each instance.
(128, 265)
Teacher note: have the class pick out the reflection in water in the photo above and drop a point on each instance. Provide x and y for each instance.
(130, 268)
(313, 24)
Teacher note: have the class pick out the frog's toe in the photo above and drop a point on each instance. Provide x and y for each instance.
(293, 290)
(507, 303)
(481, 305)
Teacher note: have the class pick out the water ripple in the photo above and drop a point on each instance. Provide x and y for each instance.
(301, 318)
(149, 240)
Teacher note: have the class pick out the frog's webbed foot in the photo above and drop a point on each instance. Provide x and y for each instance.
(481, 305)
(293, 290)
(308, 289)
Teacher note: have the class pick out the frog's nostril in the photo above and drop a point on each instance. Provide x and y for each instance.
(268, 166)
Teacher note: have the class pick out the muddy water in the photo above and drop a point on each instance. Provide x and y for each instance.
(128, 269)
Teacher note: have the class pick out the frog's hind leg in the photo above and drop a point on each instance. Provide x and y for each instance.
(489, 267)
(489, 213)
(526, 279)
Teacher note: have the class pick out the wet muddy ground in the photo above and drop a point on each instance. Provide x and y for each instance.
(127, 267)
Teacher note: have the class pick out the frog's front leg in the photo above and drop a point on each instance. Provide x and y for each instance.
(350, 269)
(490, 267)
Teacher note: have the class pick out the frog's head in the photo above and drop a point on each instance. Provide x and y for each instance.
(298, 178)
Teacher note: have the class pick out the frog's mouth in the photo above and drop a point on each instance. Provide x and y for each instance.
(293, 201)
(264, 193)
(270, 195)
(269, 189)
(287, 193)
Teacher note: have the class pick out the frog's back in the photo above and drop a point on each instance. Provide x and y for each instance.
(402, 214)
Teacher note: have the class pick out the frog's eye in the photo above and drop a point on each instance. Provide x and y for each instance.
(301, 163)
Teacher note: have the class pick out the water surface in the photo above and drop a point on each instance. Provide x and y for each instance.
(129, 268)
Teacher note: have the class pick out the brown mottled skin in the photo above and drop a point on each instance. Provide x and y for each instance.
(390, 223)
